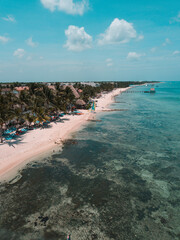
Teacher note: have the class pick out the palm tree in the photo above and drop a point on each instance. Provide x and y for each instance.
(30, 118)
(6, 113)
(1, 128)
(64, 99)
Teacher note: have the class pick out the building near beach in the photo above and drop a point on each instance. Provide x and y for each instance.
(75, 93)
(80, 104)
(5, 90)
(20, 89)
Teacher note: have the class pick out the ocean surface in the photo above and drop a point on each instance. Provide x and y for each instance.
(117, 179)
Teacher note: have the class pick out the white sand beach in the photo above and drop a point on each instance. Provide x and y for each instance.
(14, 155)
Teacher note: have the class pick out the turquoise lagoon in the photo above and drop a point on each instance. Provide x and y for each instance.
(120, 180)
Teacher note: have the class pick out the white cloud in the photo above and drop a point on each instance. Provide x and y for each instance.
(67, 6)
(77, 39)
(175, 19)
(119, 31)
(4, 39)
(9, 18)
(176, 52)
(153, 49)
(109, 62)
(167, 41)
(30, 42)
(133, 56)
(140, 37)
(19, 53)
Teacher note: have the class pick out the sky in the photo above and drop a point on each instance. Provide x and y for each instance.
(95, 40)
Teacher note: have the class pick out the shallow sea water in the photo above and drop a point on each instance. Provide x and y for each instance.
(121, 180)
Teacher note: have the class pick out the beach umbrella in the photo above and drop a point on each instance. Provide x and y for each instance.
(76, 112)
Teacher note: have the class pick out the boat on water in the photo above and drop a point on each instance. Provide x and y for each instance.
(152, 90)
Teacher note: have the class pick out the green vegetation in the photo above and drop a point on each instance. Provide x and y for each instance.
(38, 101)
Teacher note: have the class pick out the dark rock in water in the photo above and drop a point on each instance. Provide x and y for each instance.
(96, 194)
(146, 228)
(44, 219)
(150, 210)
(140, 214)
(70, 142)
(137, 186)
(144, 196)
(52, 235)
(114, 110)
(94, 120)
(119, 102)
(163, 220)
(94, 236)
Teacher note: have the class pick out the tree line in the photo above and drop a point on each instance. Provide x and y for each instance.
(39, 102)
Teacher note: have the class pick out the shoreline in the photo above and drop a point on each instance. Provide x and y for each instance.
(38, 143)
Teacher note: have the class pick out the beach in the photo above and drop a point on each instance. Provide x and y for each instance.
(15, 154)
(115, 178)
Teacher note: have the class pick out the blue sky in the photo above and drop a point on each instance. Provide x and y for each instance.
(66, 40)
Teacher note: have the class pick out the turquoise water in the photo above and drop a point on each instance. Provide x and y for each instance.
(120, 180)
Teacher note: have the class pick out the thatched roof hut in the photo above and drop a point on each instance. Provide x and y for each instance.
(76, 94)
(5, 90)
(52, 87)
(80, 103)
(19, 89)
